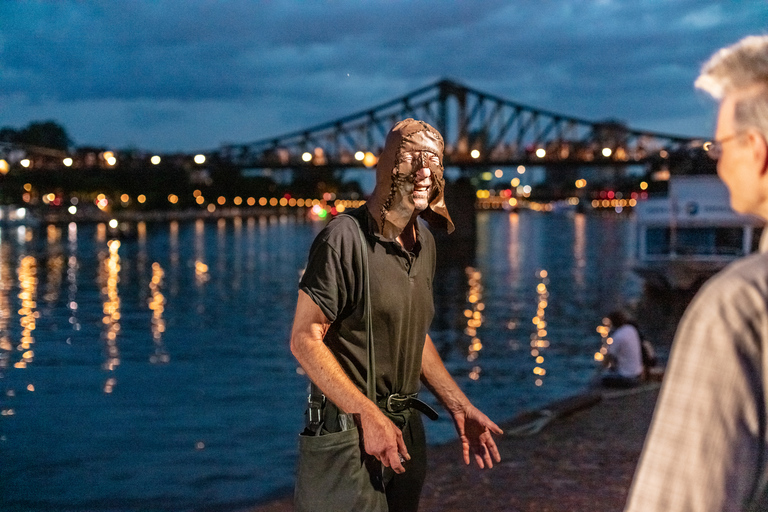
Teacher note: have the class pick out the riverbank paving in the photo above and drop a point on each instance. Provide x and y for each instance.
(582, 459)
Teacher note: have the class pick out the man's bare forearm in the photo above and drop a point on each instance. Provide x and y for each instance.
(436, 377)
(381, 438)
(317, 360)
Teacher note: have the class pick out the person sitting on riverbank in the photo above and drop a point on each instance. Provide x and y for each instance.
(624, 359)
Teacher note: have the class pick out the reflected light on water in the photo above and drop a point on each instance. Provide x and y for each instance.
(6, 284)
(174, 242)
(514, 243)
(55, 268)
(157, 306)
(23, 234)
(55, 265)
(579, 250)
(603, 330)
(27, 292)
(72, 232)
(201, 272)
(72, 270)
(109, 279)
(539, 342)
(474, 317)
(201, 268)
(141, 231)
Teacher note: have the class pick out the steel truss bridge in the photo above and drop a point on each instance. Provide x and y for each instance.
(480, 130)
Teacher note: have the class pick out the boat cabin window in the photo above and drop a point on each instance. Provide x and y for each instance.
(701, 241)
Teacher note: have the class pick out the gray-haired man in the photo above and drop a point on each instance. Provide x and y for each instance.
(707, 448)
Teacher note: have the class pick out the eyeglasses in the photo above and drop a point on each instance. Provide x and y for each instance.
(714, 148)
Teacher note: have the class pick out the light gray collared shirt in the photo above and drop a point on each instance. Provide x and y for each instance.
(706, 449)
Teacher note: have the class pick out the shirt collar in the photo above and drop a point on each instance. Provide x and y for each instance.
(372, 226)
(764, 240)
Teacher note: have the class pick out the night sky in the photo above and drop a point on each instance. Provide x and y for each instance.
(185, 75)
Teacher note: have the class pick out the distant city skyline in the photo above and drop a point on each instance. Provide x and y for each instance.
(187, 75)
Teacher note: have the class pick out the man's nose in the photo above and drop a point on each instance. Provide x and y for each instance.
(423, 166)
(423, 172)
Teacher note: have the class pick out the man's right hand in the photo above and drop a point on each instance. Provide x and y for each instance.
(383, 440)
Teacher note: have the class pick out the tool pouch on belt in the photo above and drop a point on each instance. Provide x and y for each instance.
(334, 472)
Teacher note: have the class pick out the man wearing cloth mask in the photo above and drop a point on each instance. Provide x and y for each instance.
(707, 449)
(329, 338)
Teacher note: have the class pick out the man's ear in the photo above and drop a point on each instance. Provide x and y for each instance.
(759, 147)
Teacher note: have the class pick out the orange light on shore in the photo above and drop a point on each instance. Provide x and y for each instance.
(369, 160)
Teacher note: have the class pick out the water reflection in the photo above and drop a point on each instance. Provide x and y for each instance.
(72, 271)
(201, 268)
(157, 306)
(142, 257)
(173, 246)
(101, 232)
(109, 278)
(579, 250)
(6, 285)
(174, 391)
(54, 266)
(539, 341)
(513, 251)
(605, 340)
(28, 312)
(474, 315)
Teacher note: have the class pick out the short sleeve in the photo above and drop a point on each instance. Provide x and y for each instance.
(330, 272)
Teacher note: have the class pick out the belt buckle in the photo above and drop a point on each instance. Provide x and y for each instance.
(390, 405)
(397, 403)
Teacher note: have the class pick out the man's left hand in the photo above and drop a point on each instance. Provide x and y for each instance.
(475, 429)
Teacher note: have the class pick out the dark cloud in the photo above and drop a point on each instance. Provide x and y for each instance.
(251, 69)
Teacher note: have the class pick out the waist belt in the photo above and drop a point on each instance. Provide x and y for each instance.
(395, 403)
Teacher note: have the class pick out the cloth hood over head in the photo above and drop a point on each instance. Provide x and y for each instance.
(392, 199)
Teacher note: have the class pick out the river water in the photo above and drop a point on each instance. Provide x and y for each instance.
(153, 372)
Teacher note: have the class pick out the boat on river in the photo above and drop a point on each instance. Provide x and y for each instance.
(691, 234)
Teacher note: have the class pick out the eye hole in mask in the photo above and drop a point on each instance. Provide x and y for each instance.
(420, 159)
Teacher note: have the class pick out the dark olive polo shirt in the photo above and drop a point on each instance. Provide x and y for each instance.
(401, 299)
